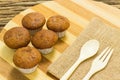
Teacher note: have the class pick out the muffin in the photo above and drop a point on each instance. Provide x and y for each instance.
(26, 59)
(33, 22)
(17, 37)
(44, 40)
(58, 24)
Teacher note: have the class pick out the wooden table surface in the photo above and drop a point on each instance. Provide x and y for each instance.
(10, 8)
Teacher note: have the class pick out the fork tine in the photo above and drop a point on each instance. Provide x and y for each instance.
(106, 54)
(108, 57)
(102, 53)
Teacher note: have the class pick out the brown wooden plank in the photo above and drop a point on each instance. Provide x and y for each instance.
(2, 34)
(81, 11)
(76, 9)
(74, 28)
(17, 19)
(44, 64)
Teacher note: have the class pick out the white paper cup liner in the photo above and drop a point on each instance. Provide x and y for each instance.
(46, 51)
(61, 34)
(27, 71)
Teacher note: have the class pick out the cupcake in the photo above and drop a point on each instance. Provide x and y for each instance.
(58, 24)
(17, 37)
(44, 40)
(33, 22)
(26, 59)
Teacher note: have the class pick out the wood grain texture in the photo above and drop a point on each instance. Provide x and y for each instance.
(9, 72)
(9, 8)
(76, 12)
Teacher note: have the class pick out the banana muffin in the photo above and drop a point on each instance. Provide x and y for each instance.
(26, 59)
(33, 21)
(17, 37)
(58, 24)
(44, 40)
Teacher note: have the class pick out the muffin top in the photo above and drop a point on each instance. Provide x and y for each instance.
(26, 57)
(33, 21)
(44, 39)
(17, 37)
(58, 23)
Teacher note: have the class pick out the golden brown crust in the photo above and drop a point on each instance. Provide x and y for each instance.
(17, 37)
(26, 57)
(33, 21)
(58, 23)
(44, 39)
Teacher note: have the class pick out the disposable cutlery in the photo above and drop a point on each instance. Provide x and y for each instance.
(88, 50)
(99, 63)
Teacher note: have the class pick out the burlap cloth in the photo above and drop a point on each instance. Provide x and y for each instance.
(107, 36)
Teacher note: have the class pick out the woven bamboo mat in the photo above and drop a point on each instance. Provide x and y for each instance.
(9, 8)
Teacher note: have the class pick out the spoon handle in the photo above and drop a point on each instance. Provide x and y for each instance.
(71, 70)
